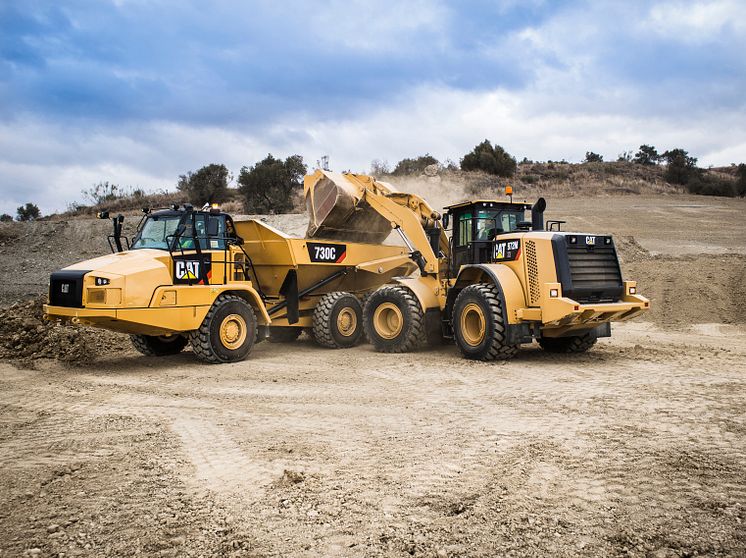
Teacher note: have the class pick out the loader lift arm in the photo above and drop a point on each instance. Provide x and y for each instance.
(341, 204)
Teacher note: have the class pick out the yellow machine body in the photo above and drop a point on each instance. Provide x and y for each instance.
(141, 297)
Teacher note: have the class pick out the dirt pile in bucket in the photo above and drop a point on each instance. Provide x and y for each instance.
(25, 336)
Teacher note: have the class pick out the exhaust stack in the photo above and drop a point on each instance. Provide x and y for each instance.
(537, 214)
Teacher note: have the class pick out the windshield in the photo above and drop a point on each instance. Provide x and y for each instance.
(492, 222)
(155, 231)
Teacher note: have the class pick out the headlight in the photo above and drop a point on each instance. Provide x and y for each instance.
(99, 281)
(554, 293)
(633, 290)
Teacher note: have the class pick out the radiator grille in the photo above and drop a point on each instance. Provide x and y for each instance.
(533, 272)
(594, 271)
(66, 288)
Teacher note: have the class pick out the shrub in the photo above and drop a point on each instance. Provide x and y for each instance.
(591, 157)
(272, 185)
(207, 185)
(741, 183)
(711, 185)
(681, 168)
(530, 179)
(414, 166)
(4, 218)
(379, 168)
(28, 212)
(492, 160)
(103, 192)
(647, 155)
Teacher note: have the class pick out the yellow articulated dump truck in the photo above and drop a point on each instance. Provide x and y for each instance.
(198, 277)
(498, 281)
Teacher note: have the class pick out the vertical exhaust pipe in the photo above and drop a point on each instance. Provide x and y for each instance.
(537, 214)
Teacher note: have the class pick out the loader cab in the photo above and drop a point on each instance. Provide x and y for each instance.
(476, 225)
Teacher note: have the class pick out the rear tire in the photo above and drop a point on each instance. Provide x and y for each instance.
(283, 334)
(159, 345)
(227, 333)
(573, 344)
(479, 324)
(394, 320)
(338, 321)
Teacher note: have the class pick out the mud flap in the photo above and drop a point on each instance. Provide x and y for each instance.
(289, 290)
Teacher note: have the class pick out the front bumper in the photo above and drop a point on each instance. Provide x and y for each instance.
(137, 321)
(560, 314)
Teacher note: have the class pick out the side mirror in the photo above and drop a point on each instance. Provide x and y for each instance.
(446, 220)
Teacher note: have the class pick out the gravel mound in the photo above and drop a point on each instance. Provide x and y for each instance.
(25, 336)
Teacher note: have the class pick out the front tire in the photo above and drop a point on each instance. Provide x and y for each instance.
(227, 333)
(338, 321)
(572, 344)
(394, 320)
(159, 345)
(479, 324)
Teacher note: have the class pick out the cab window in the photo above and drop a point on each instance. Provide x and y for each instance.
(464, 229)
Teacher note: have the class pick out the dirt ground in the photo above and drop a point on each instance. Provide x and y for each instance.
(637, 448)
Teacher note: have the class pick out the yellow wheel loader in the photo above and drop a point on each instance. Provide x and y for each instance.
(198, 277)
(498, 281)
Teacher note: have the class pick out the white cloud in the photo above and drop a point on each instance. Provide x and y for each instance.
(696, 21)
(49, 165)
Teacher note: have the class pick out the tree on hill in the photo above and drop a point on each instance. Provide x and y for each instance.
(379, 168)
(647, 155)
(207, 185)
(28, 212)
(492, 160)
(680, 167)
(103, 192)
(272, 185)
(741, 183)
(414, 166)
(5, 218)
(591, 157)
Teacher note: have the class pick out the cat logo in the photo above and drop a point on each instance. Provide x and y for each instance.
(500, 251)
(187, 270)
(590, 240)
(507, 251)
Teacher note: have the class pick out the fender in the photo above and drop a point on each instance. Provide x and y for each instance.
(205, 295)
(424, 288)
(511, 292)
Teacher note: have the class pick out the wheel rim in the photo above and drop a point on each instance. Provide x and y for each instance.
(473, 324)
(388, 320)
(233, 331)
(346, 321)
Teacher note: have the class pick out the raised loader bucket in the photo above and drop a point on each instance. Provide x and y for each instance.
(337, 209)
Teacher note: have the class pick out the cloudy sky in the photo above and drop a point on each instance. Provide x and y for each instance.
(136, 92)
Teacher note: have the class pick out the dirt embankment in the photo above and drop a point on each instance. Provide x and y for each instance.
(25, 336)
(690, 289)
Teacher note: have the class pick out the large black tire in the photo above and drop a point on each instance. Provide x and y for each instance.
(283, 334)
(572, 344)
(479, 324)
(338, 321)
(394, 320)
(227, 333)
(159, 345)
